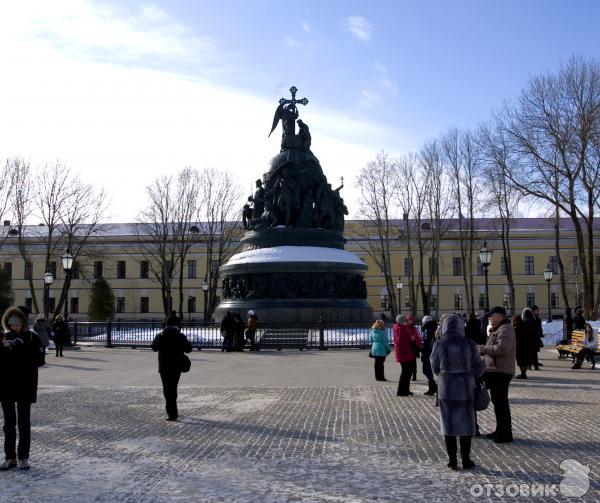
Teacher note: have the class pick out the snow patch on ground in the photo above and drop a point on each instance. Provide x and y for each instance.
(553, 331)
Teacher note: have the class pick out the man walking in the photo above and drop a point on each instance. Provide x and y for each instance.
(499, 355)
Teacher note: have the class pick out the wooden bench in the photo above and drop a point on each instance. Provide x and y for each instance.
(574, 346)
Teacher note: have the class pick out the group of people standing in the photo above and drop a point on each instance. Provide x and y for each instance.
(236, 332)
(462, 359)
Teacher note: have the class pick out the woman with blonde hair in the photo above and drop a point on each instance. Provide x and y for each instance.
(380, 348)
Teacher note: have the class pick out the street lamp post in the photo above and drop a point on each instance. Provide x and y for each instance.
(399, 287)
(548, 278)
(205, 291)
(485, 257)
(48, 279)
(67, 264)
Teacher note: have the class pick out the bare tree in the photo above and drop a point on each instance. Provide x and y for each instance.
(220, 212)
(502, 197)
(555, 126)
(460, 153)
(185, 211)
(156, 236)
(378, 186)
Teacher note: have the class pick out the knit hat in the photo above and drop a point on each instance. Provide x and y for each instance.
(400, 319)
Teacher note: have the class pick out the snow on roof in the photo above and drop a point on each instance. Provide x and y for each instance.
(294, 254)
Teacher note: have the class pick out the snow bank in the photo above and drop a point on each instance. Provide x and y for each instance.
(294, 254)
(553, 332)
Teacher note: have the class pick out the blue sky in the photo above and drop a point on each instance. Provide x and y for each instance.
(124, 91)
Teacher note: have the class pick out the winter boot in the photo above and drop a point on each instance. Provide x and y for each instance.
(8, 464)
(432, 388)
(465, 453)
(451, 449)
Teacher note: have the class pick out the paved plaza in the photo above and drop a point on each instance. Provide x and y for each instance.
(289, 426)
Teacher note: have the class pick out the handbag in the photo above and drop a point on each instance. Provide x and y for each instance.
(481, 399)
(371, 355)
(184, 363)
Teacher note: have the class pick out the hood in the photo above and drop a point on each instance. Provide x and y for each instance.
(14, 311)
(453, 326)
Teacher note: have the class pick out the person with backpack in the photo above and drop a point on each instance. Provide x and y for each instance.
(20, 357)
(170, 345)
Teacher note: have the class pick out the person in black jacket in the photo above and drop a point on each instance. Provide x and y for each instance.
(60, 331)
(170, 344)
(474, 331)
(20, 356)
(172, 320)
(428, 333)
(579, 323)
(228, 328)
(539, 334)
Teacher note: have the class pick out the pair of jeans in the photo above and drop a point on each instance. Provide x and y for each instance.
(498, 383)
(379, 369)
(170, 381)
(427, 372)
(407, 371)
(12, 410)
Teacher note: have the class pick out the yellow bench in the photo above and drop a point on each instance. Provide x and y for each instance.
(573, 347)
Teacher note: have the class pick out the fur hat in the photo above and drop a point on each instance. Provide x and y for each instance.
(14, 312)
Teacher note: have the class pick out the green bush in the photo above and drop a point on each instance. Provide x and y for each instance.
(102, 301)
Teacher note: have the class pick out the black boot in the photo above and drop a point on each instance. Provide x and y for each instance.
(432, 388)
(451, 449)
(465, 453)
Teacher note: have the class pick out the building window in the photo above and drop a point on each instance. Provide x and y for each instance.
(575, 264)
(8, 270)
(456, 266)
(191, 304)
(408, 267)
(144, 268)
(28, 270)
(553, 264)
(529, 269)
(482, 301)
(506, 301)
(433, 301)
(74, 305)
(75, 270)
(554, 300)
(97, 269)
(432, 266)
(458, 301)
(530, 299)
(120, 304)
(52, 268)
(191, 269)
(144, 305)
(51, 305)
(503, 265)
(29, 304)
(121, 269)
(407, 301)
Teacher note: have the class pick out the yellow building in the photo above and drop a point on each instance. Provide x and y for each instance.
(115, 255)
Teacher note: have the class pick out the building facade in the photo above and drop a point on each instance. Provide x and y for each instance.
(113, 253)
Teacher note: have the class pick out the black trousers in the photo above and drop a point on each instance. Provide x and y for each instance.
(12, 410)
(379, 369)
(170, 381)
(407, 371)
(465, 448)
(498, 385)
(59, 348)
(585, 352)
(251, 336)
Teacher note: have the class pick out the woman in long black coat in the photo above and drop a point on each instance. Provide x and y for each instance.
(20, 356)
(533, 339)
(60, 329)
(525, 346)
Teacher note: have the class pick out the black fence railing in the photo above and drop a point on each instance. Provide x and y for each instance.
(208, 335)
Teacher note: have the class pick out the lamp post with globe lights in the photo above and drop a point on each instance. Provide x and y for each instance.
(485, 258)
(548, 277)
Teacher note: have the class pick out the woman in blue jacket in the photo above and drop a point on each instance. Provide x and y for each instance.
(380, 348)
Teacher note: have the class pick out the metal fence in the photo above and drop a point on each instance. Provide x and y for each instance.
(208, 335)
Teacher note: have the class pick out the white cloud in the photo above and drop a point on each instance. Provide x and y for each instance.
(305, 27)
(291, 41)
(360, 27)
(66, 95)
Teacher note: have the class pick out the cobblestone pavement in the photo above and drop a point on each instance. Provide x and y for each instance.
(292, 443)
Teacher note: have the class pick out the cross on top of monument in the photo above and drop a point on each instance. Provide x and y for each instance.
(293, 101)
